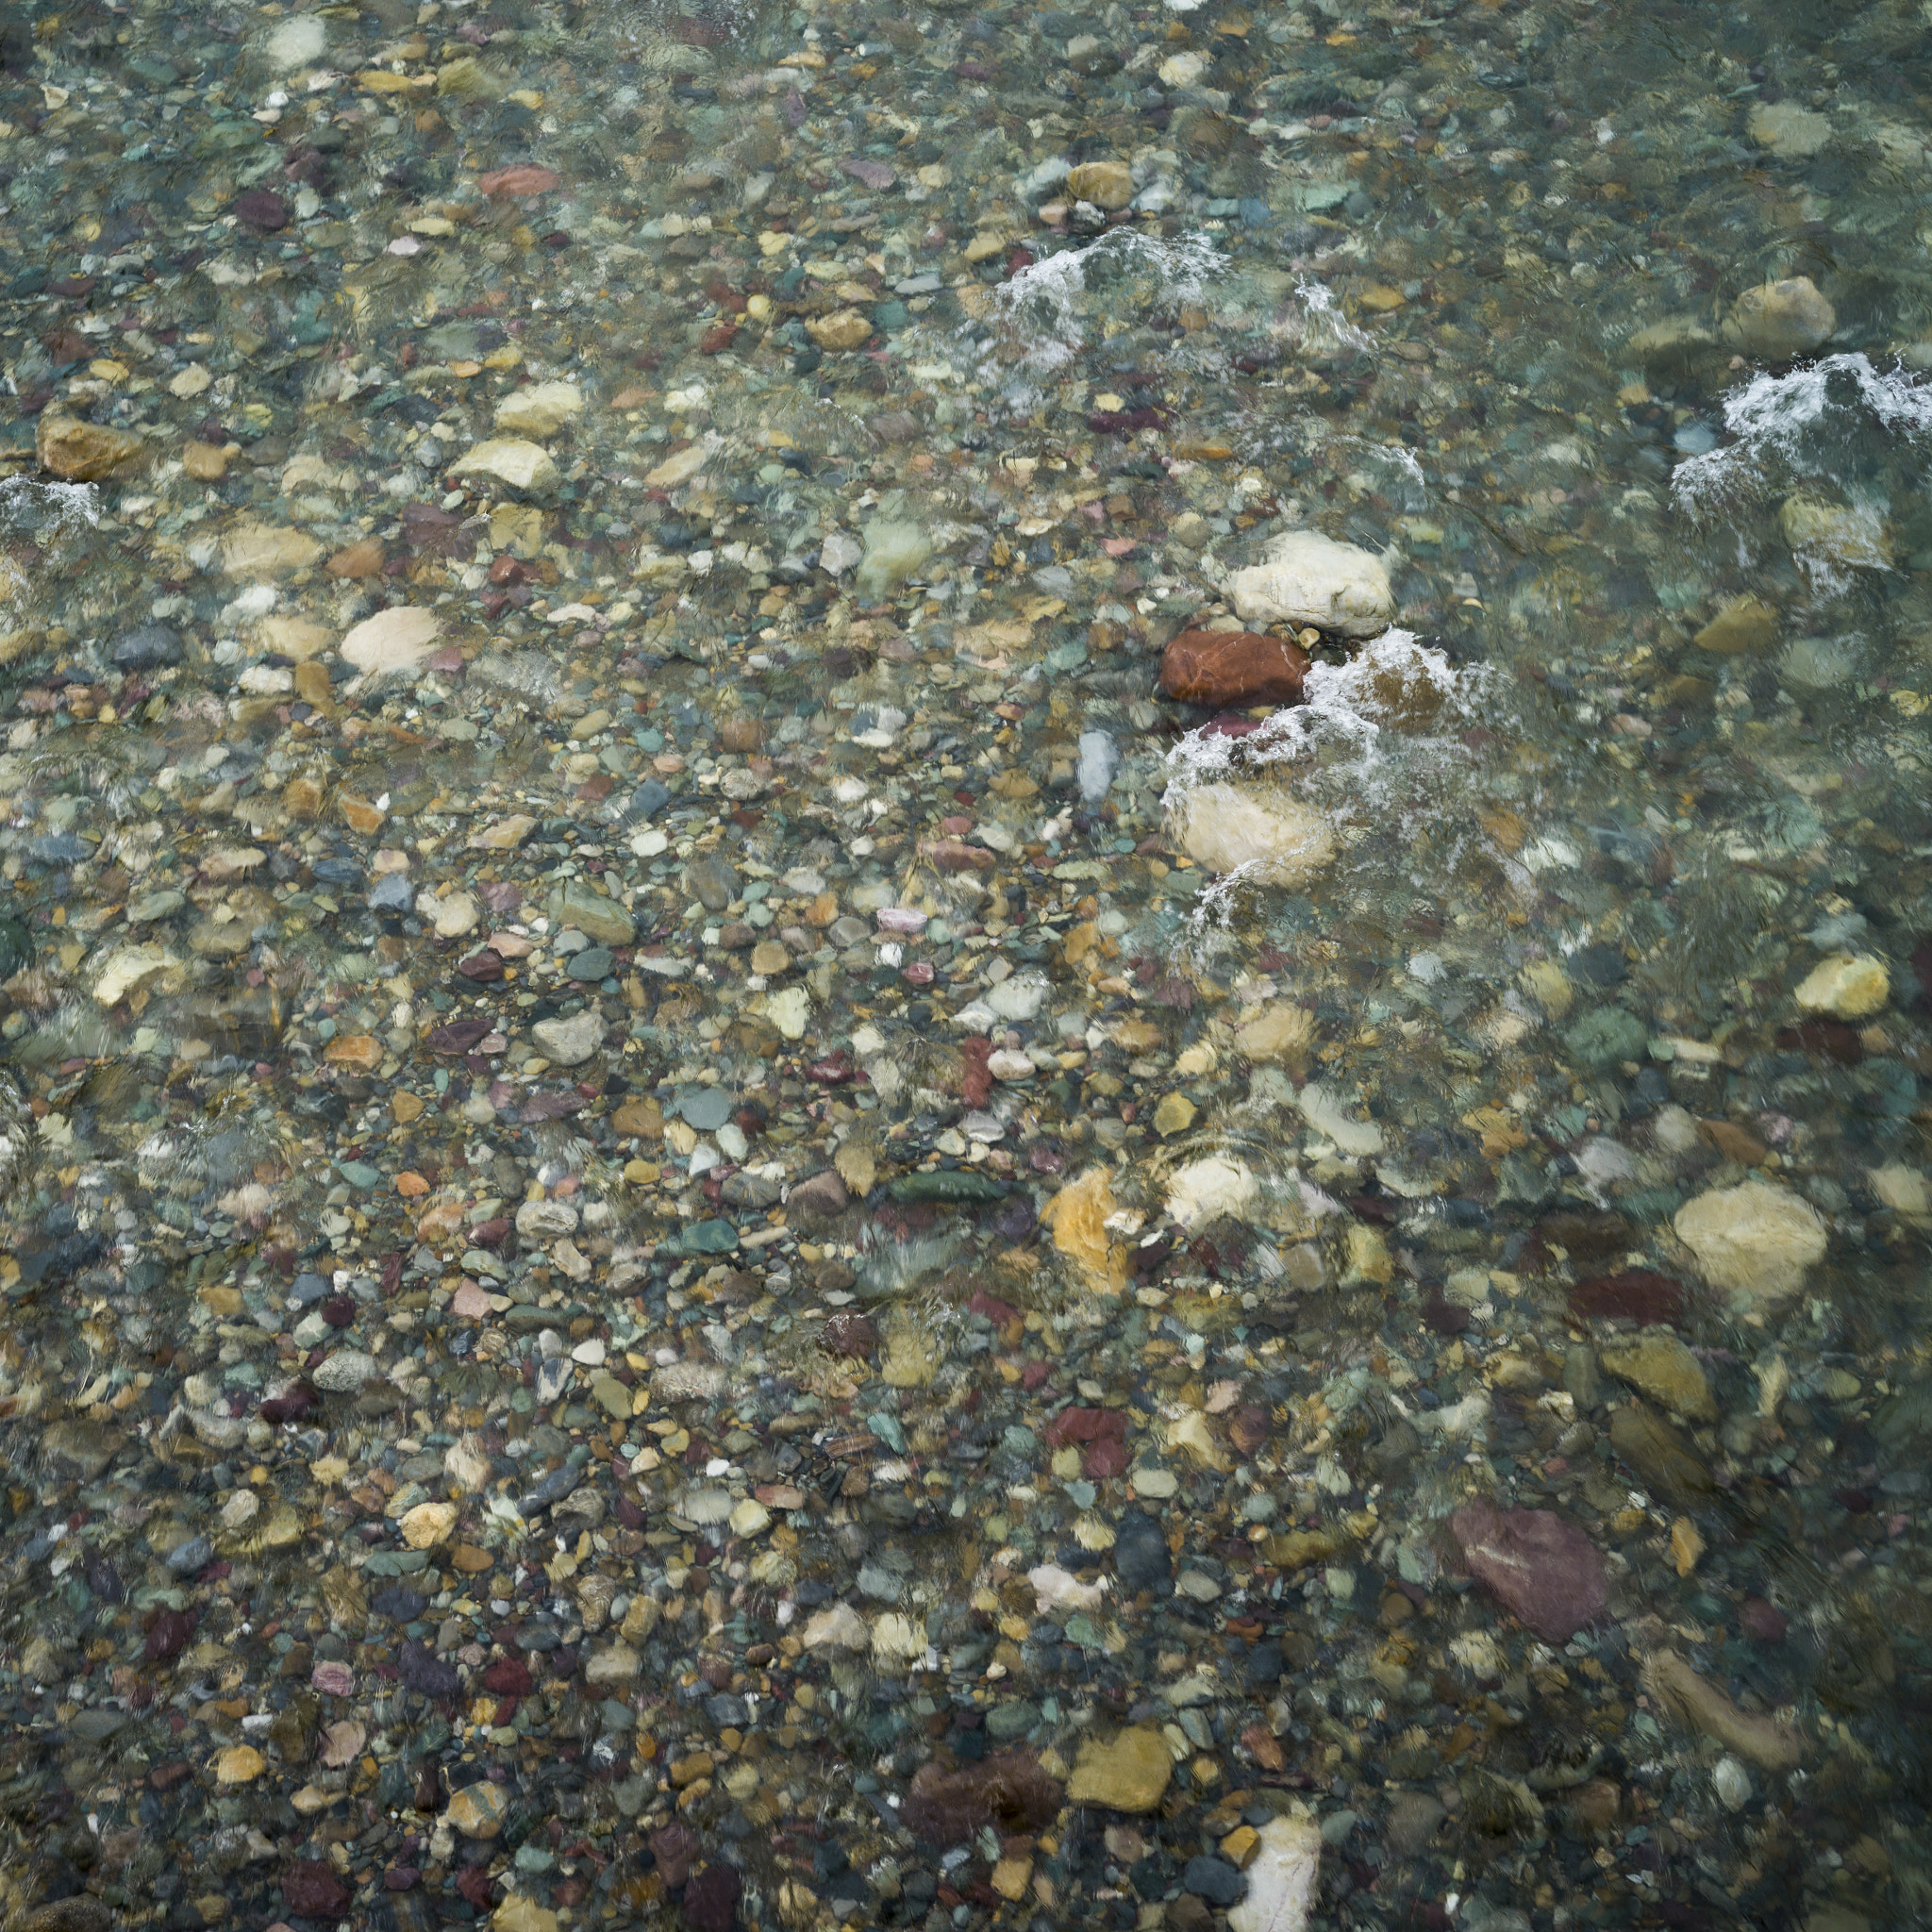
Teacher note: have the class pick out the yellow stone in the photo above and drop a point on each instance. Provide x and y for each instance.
(240, 1764)
(205, 462)
(767, 957)
(361, 1052)
(1010, 1877)
(1687, 1545)
(642, 1174)
(1077, 1218)
(1745, 624)
(1848, 984)
(1382, 297)
(428, 1523)
(844, 328)
(1240, 1846)
(1175, 1115)
(1129, 1773)
(858, 1167)
(405, 1106)
(1107, 184)
(518, 1914)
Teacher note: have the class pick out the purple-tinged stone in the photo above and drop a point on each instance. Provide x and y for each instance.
(261, 208)
(710, 1900)
(1543, 1570)
(1637, 1295)
(874, 174)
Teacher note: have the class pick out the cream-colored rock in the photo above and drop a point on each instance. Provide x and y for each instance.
(1675, 341)
(1549, 986)
(240, 1764)
(1281, 1030)
(838, 1626)
(1261, 827)
(1755, 1241)
(427, 1525)
(1788, 130)
(1203, 1190)
(1850, 985)
(1852, 535)
(268, 550)
(540, 409)
(1305, 577)
(520, 1914)
(897, 1640)
(129, 970)
(477, 1810)
(1779, 320)
(512, 460)
(1902, 1189)
(750, 1517)
(1744, 624)
(617, 1663)
(1323, 1111)
(1281, 1878)
(453, 915)
(392, 642)
(844, 328)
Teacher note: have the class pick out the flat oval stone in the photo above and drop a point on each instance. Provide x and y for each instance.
(1234, 667)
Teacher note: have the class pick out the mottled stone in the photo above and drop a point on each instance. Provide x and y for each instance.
(1543, 1570)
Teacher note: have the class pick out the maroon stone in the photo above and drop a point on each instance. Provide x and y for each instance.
(509, 1676)
(168, 1635)
(1233, 667)
(1543, 1570)
(261, 208)
(675, 1846)
(311, 1890)
(1762, 1623)
(1638, 1295)
(710, 1900)
(820, 1197)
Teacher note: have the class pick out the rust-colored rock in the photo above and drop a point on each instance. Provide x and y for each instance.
(519, 179)
(1009, 1790)
(363, 559)
(1233, 667)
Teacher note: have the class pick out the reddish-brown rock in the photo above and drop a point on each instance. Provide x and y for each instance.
(1544, 1570)
(1233, 667)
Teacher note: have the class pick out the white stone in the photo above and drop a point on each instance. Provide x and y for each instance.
(545, 1220)
(540, 409)
(897, 1640)
(393, 641)
(1902, 1189)
(1323, 1111)
(838, 1626)
(1305, 577)
(567, 1042)
(295, 43)
(618, 1664)
(453, 915)
(1203, 1190)
(1788, 130)
(1281, 1878)
(790, 1011)
(1731, 1782)
(1267, 830)
(1779, 320)
(512, 460)
(1755, 1241)
(1848, 984)
(133, 969)
(1055, 1589)
(1016, 999)
(346, 1370)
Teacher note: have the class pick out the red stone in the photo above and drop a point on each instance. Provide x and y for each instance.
(1543, 1570)
(1638, 1294)
(1237, 667)
(1761, 1622)
(521, 179)
(311, 1890)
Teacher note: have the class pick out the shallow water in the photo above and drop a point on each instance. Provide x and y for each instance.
(707, 1223)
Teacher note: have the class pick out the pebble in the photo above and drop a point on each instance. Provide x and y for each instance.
(1305, 577)
(1129, 1772)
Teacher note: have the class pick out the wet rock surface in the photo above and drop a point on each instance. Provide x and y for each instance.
(963, 968)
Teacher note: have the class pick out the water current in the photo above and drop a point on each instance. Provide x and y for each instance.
(964, 966)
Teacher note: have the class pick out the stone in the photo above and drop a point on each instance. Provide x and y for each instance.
(311, 1888)
(1211, 1188)
(1672, 342)
(1850, 986)
(204, 461)
(520, 1914)
(1845, 535)
(396, 642)
(1543, 1570)
(769, 958)
(145, 968)
(512, 461)
(1779, 320)
(1666, 1371)
(897, 1640)
(345, 1370)
(838, 1626)
(1904, 1190)
(540, 409)
(617, 1663)
(1787, 130)
(1010, 1877)
(1744, 624)
(1233, 667)
(453, 915)
(598, 917)
(570, 1043)
(1282, 1030)
(1307, 578)
(240, 1764)
(427, 1525)
(820, 1197)
(1175, 1115)
(894, 551)
(268, 550)
(87, 452)
(844, 328)
(1127, 1773)
(147, 647)
(1695, 1702)
(1414, 1818)
(1107, 185)
(1755, 1241)
(1076, 1217)
(478, 1810)
(1261, 830)
(1214, 1879)
(1281, 1879)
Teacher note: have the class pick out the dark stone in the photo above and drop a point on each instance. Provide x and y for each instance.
(1215, 1880)
(592, 963)
(509, 1676)
(711, 1899)
(311, 1890)
(422, 1670)
(1761, 1622)
(1139, 1553)
(1637, 1294)
(261, 209)
(1262, 1665)
(168, 1635)
(399, 1602)
(1598, 965)
(147, 647)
